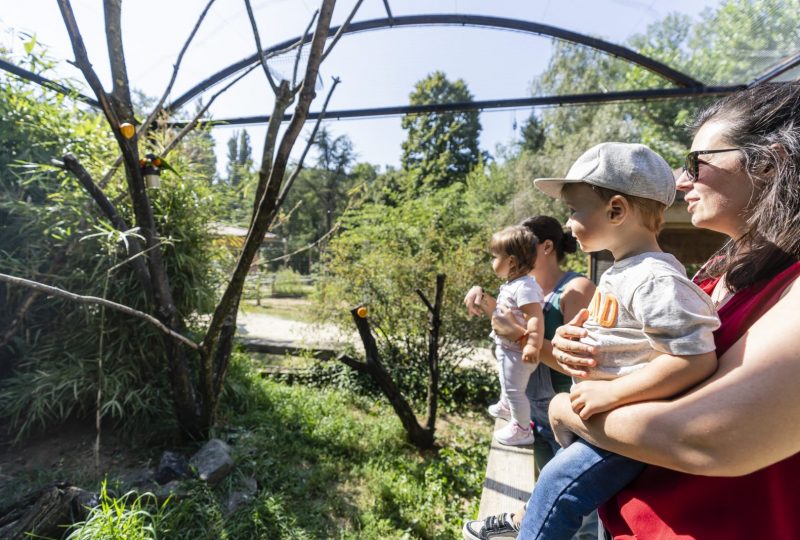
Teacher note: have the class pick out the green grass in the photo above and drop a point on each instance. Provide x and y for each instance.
(328, 464)
(291, 309)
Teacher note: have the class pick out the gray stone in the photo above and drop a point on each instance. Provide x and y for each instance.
(213, 461)
(247, 490)
(172, 467)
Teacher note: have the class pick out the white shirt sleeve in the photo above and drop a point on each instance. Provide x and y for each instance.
(529, 292)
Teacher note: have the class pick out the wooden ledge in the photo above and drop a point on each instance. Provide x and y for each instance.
(509, 478)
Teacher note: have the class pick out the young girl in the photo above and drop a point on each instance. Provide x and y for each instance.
(514, 252)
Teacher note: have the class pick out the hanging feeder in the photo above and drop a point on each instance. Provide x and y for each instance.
(151, 171)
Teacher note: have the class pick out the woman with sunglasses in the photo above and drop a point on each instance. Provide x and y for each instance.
(725, 456)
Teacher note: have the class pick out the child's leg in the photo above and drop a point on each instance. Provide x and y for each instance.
(515, 375)
(575, 482)
(498, 354)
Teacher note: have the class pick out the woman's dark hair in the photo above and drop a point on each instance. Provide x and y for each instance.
(764, 122)
(547, 228)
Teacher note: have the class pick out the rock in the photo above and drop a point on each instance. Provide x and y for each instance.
(175, 490)
(249, 487)
(137, 479)
(172, 467)
(213, 461)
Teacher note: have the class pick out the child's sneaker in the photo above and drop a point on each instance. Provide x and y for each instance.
(496, 527)
(514, 435)
(500, 410)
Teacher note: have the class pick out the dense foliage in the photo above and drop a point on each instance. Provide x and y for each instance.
(51, 231)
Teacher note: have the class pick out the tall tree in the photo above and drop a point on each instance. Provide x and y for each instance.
(441, 148)
(240, 157)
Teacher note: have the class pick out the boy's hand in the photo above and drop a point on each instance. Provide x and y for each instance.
(530, 354)
(592, 397)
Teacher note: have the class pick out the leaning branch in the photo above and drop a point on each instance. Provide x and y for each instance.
(300, 48)
(157, 109)
(309, 143)
(309, 246)
(193, 123)
(261, 56)
(342, 30)
(55, 291)
(82, 62)
(71, 164)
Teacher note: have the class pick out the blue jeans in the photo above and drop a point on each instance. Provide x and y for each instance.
(545, 448)
(573, 484)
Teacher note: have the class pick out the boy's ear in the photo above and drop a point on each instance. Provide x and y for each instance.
(618, 209)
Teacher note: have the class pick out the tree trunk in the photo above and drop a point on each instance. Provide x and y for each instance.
(417, 435)
(434, 327)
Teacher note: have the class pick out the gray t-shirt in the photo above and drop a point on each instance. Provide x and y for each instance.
(513, 294)
(645, 306)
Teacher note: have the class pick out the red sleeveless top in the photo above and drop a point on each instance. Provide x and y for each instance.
(666, 504)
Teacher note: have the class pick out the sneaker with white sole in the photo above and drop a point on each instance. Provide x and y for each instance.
(514, 435)
(496, 527)
(500, 410)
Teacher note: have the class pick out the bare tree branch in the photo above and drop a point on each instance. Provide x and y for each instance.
(82, 62)
(309, 144)
(157, 109)
(342, 30)
(71, 164)
(55, 291)
(424, 300)
(120, 92)
(359, 366)
(261, 56)
(283, 99)
(266, 211)
(199, 114)
(309, 246)
(300, 47)
(185, 130)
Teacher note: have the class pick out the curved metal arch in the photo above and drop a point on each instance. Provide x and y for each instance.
(668, 73)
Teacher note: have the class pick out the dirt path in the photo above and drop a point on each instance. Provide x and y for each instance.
(258, 325)
(253, 325)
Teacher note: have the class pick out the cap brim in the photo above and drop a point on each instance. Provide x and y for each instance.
(552, 186)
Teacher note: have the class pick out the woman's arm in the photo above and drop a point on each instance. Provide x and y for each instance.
(576, 296)
(743, 418)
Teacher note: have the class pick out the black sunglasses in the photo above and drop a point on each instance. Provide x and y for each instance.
(692, 164)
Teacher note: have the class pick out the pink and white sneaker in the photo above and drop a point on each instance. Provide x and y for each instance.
(500, 410)
(514, 435)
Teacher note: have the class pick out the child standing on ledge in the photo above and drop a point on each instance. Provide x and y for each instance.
(514, 254)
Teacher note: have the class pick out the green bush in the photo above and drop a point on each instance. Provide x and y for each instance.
(287, 283)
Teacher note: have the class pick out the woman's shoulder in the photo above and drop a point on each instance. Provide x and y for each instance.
(579, 283)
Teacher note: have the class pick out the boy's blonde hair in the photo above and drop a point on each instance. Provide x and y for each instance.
(651, 212)
(519, 243)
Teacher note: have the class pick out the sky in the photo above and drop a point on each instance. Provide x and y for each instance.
(376, 69)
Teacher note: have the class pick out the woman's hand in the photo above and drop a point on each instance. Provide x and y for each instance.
(473, 300)
(505, 324)
(574, 357)
(560, 410)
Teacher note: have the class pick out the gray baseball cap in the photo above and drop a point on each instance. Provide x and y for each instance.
(632, 169)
